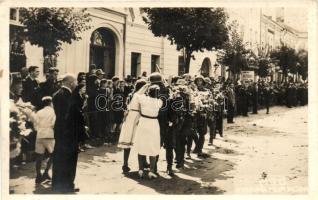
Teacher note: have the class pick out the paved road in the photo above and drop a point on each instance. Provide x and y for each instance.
(259, 154)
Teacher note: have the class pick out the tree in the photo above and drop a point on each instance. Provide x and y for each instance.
(264, 62)
(287, 59)
(263, 67)
(191, 29)
(50, 27)
(302, 56)
(234, 51)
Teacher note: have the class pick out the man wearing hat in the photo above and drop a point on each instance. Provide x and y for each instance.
(43, 121)
(100, 74)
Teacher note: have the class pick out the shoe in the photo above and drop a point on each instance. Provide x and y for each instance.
(71, 190)
(88, 146)
(141, 174)
(200, 155)
(195, 150)
(179, 166)
(170, 172)
(46, 176)
(38, 179)
(152, 175)
(125, 169)
(146, 165)
(203, 155)
(188, 156)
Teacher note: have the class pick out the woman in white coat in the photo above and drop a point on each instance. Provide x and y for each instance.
(147, 141)
(128, 129)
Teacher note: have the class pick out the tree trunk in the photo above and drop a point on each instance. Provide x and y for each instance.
(187, 61)
(49, 60)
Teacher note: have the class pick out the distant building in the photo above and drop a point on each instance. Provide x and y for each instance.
(263, 30)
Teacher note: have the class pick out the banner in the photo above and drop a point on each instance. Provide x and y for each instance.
(247, 76)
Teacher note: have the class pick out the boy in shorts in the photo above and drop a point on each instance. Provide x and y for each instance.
(44, 121)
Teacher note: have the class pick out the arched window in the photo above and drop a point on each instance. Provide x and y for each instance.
(205, 67)
(103, 50)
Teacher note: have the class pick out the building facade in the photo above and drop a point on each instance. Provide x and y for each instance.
(120, 43)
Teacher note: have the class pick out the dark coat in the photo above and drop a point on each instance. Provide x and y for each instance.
(48, 88)
(65, 149)
(31, 91)
(76, 120)
(62, 102)
(118, 105)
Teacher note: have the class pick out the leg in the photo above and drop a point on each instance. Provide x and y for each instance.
(211, 134)
(189, 144)
(153, 166)
(48, 167)
(125, 167)
(153, 163)
(181, 150)
(169, 158)
(38, 164)
(141, 161)
(156, 166)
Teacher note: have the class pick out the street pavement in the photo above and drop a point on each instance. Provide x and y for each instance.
(259, 154)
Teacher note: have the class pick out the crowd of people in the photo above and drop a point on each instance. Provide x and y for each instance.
(60, 116)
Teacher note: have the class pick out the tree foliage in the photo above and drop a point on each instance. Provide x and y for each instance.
(50, 27)
(287, 59)
(263, 67)
(191, 29)
(302, 56)
(234, 51)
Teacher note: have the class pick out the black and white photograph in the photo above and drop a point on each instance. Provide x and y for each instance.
(178, 100)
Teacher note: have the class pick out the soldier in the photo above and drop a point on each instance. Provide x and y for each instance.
(244, 99)
(166, 135)
(211, 114)
(267, 96)
(255, 98)
(201, 119)
(183, 120)
(219, 111)
(230, 96)
(289, 95)
(50, 86)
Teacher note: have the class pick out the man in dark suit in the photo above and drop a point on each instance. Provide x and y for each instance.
(31, 88)
(50, 86)
(230, 95)
(65, 151)
(255, 97)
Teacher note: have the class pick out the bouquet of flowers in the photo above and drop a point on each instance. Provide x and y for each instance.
(19, 126)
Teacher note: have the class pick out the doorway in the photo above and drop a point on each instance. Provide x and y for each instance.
(135, 64)
(103, 51)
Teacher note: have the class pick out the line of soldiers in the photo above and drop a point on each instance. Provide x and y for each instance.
(250, 96)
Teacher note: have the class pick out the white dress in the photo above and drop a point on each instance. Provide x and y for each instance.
(147, 140)
(128, 129)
